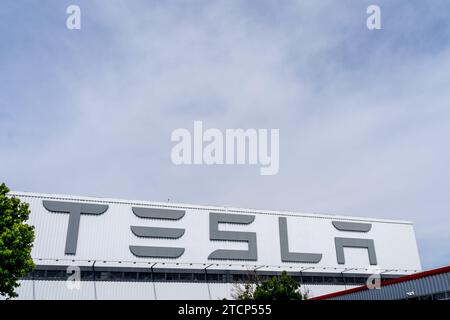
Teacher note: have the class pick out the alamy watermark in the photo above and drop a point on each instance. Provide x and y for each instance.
(73, 21)
(73, 281)
(231, 147)
(373, 21)
(374, 280)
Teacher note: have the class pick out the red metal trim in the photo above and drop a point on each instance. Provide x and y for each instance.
(386, 283)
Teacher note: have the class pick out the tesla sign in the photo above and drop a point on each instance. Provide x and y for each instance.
(76, 210)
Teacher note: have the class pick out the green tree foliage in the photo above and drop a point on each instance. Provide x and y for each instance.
(282, 288)
(16, 242)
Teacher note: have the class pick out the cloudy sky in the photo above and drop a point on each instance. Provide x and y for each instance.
(364, 116)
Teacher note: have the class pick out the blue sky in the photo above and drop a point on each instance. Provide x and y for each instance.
(363, 115)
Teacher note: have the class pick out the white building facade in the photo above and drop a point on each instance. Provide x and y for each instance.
(96, 248)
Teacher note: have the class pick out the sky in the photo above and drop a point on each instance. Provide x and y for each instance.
(364, 115)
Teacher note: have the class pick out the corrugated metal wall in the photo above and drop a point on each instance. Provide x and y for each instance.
(404, 290)
(112, 290)
(107, 237)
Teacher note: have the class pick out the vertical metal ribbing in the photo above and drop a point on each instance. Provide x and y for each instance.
(207, 282)
(95, 283)
(34, 289)
(153, 281)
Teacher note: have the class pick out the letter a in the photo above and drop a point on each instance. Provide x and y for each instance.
(374, 20)
(74, 20)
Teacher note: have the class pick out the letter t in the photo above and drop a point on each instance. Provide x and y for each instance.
(75, 210)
